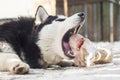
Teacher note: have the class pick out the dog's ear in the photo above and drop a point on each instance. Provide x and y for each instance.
(41, 15)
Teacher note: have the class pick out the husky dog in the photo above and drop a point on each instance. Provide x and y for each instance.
(38, 41)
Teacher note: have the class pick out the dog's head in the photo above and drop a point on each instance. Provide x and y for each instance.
(55, 31)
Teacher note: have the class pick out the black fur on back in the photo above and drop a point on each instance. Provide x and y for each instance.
(19, 34)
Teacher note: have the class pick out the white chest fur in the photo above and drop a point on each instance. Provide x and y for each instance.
(47, 38)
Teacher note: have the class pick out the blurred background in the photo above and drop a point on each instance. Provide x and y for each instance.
(102, 16)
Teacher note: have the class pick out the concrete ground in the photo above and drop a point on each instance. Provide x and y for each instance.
(110, 71)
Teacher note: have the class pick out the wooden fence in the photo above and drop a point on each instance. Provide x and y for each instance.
(102, 20)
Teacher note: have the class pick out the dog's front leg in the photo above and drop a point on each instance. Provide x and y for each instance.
(13, 64)
(33, 55)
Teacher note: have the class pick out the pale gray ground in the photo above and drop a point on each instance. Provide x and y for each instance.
(109, 71)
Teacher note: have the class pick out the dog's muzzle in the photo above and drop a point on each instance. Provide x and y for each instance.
(65, 40)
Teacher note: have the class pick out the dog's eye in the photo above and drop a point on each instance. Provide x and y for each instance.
(59, 19)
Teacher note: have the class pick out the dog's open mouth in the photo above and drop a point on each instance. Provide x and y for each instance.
(66, 45)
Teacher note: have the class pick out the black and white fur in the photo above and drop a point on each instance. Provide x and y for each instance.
(39, 40)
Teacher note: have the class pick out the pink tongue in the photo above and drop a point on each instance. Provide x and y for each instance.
(67, 46)
(67, 50)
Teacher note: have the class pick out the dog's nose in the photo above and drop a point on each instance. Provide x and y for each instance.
(82, 15)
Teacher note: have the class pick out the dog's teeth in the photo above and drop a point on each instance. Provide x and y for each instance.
(71, 53)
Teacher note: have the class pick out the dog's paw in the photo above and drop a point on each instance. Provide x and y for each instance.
(66, 63)
(20, 68)
(103, 56)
